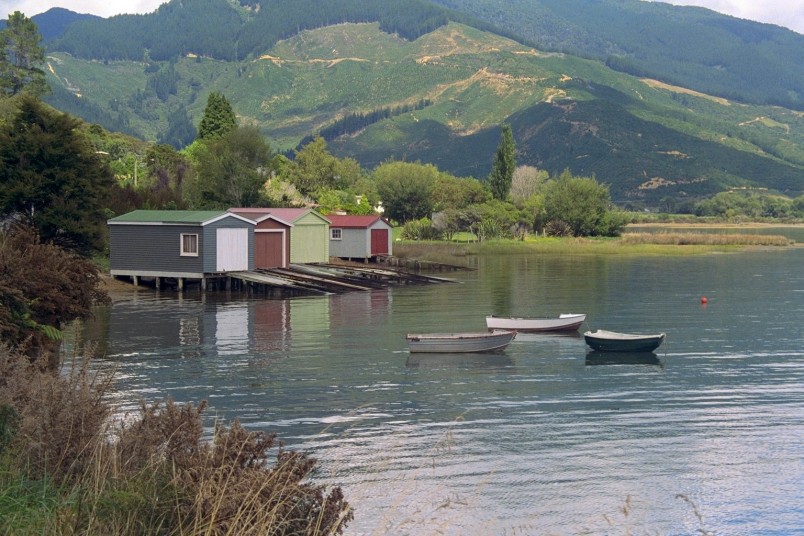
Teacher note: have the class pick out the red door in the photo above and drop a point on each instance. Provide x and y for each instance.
(268, 250)
(379, 242)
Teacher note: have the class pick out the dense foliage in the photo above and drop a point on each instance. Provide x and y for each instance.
(406, 189)
(21, 57)
(579, 206)
(232, 169)
(42, 288)
(52, 178)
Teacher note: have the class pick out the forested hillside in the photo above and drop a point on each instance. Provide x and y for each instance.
(416, 85)
(226, 31)
(686, 46)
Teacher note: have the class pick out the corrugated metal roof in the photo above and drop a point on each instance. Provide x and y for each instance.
(168, 216)
(353, 221)
(286, 214)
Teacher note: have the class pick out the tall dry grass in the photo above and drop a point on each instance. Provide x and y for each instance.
(67, 468)
(706, 239)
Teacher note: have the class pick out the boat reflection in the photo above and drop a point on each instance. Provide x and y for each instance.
(623, 358)
(495, 360)
(559, 337)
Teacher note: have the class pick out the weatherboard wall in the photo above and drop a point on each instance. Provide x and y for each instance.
(152, 249)
(364, 241)
(309, 239)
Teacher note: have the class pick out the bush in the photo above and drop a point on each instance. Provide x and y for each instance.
(422, 229)
(66, 468)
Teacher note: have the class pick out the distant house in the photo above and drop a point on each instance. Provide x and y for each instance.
(180, 243)
(271, 238)
(309, 237)
(359, 237)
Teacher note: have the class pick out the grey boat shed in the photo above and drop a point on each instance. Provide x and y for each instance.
(180, 245)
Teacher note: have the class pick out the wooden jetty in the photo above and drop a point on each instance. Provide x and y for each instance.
(298, 279)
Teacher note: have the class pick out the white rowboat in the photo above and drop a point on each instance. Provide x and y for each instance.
(564, 322)
(459, 342)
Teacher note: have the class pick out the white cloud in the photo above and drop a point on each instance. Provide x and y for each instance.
(787, 13)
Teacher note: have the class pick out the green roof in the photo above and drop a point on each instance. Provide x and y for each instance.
(169, 216)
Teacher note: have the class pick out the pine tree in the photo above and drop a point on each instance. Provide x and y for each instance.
(20, 55)
(52, 178)
(219, 118)
(502, 168)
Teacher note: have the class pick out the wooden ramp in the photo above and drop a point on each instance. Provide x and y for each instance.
(382, 274)
(328, 278)
(323, 281)
(261, 278)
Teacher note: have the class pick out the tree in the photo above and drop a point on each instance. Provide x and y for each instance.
(52, 178)
(527, 181)
(581, 205)
(314, 169)
(406, 189)
(180, 130)
(231, 170)
(20, 56)
(502, 168)
(42, 288)
(219, 117)
(452, 192)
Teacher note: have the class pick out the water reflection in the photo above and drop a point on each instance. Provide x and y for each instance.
(536, 439)
(622, 358)
(496, 361)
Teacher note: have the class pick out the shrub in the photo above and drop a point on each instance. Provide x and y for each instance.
(66, 468)
(422, 229)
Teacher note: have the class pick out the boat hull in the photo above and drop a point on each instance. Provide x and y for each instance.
(565, 322)
(459, 342)
(610, 341)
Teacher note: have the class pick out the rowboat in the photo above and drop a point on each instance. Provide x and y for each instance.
(459, 342)
(611, 341)
(564, 322)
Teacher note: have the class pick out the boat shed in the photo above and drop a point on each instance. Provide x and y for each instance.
(309, 237)
(181, 244)
(271, 238)
(359, 237)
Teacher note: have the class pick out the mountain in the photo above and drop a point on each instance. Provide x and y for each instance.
(686, 46)
(424, 83)
(55, 21)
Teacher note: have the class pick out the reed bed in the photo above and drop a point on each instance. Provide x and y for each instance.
(706, 239)
(670, 243)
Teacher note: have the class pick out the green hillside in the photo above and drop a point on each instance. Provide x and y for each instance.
(645, 139)
(687, 46)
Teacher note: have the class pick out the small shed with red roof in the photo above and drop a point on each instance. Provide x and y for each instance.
(359, 237)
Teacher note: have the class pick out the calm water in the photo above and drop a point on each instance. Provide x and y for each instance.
(540, 439)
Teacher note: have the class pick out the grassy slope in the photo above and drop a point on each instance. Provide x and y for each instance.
(566, 111)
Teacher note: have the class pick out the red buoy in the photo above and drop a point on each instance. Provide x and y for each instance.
(704, 300)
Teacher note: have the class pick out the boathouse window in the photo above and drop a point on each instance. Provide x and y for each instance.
(335, 234)
(189, 245)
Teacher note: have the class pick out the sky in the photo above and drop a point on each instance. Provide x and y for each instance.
(788, 13)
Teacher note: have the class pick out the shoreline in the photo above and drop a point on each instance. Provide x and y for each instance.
(747, 225)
